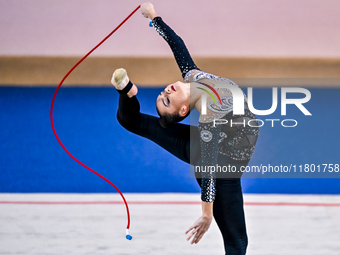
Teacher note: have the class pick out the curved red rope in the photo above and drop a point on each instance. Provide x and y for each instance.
(51, 113)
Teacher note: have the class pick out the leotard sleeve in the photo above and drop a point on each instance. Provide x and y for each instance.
(180, 51)
(209, 137)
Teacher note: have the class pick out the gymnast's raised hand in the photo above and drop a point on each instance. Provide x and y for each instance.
(148, 11)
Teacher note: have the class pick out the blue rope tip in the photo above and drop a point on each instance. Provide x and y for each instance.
(150, 23)
(128, 237)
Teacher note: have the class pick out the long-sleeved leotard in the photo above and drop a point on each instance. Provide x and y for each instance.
(187, 143)
(240, 142)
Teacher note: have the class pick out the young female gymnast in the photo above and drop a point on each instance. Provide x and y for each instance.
(205, 145)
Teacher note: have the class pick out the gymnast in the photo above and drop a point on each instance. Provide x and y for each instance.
(205, 145)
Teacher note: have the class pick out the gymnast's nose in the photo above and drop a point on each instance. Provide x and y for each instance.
(167, 89)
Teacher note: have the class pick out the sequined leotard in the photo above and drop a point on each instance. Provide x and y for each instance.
(236, 142)
(231, 145)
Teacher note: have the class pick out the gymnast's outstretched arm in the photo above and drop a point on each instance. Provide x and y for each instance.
(180, 51)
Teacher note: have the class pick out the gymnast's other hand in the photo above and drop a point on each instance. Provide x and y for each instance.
(199, 228)
(148, 11)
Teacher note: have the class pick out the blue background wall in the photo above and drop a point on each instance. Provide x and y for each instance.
(85, 118)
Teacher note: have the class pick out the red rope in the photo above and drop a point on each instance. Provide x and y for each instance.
(51, 113)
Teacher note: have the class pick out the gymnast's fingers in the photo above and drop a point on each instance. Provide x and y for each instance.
(192, 227)
(198, 236)
(194, 231)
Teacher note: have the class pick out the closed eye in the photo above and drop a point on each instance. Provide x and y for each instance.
(166, 102)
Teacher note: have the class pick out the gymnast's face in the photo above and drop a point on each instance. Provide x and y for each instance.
(175, 98)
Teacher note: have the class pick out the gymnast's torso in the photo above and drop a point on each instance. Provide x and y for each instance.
(236, 139)
(229, 144)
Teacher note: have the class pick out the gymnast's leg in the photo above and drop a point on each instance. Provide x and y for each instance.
(228, 210)
(175, 140)
(229, 215)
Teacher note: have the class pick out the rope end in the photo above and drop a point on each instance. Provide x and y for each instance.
(128, 237)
